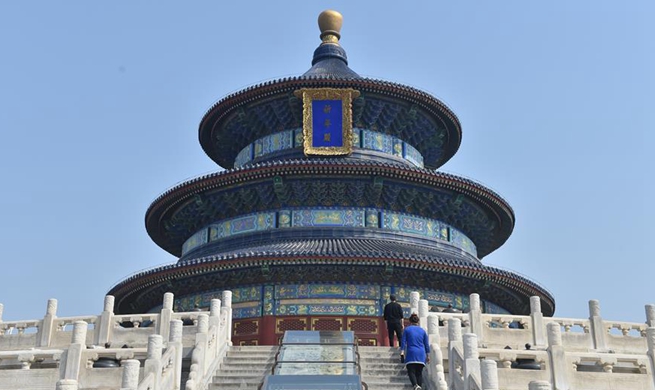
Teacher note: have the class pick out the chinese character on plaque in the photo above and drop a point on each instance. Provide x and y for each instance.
(327, 120)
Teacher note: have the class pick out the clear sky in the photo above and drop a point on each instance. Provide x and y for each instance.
(100, 104)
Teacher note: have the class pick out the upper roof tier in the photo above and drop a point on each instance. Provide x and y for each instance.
(413, 116)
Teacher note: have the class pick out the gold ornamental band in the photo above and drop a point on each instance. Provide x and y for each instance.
(346, 96)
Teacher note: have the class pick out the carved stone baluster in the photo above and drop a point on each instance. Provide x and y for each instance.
(506, 360)
(608, 366)
(504, 322)
(26, 360)
(21, 328)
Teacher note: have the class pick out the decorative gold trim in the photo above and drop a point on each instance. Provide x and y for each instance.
(236, 324)
(327, 301)
(316, 320)
(345, 95)
(352, 320)
(278, 321)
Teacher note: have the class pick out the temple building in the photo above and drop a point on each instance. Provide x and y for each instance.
(330, 201)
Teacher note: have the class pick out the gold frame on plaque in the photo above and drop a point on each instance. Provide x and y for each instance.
(346, 96)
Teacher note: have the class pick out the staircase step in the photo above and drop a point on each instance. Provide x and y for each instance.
(247, 348)
(245, 369)
(384, 371)
(385, 378)
(237, 379)
(240, 386)
(407, 386)
(250, 359)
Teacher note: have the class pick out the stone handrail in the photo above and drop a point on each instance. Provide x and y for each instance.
(504, 321)
(147, 383)
(26, 358)
(8, 328)
(136, 320)
(211, 344)
(568, 324)
(477, 354)
(70, 347)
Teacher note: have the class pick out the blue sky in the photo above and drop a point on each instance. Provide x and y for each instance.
(100, 105)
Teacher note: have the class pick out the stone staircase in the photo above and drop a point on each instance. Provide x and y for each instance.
(244, 367)
(382, 369)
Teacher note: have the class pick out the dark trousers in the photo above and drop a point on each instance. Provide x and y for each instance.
(397, 328)
(415, 372)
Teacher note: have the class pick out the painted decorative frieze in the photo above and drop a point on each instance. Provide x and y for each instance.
(333, 217)
(328, 217)
(245, 224)
(199, 238)
(361, 138)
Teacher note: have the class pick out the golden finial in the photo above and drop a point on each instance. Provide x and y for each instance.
(330, 22)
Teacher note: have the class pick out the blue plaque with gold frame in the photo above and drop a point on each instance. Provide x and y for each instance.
(327, 120)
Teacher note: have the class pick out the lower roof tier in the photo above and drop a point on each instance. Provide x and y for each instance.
(477, 212)
(330, 260)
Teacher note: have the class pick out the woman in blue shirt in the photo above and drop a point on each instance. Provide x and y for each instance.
(415, 348)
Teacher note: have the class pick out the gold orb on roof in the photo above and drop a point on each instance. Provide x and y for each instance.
(329, 22)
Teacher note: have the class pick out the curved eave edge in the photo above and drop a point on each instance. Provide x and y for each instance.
(286, 85)
(156, 276)
(184, 191)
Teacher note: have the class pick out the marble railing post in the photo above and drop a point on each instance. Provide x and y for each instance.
(539, 385)
(538, 326)
(105, 322)
(175, 341)
(433, 329)
(130, 380)
(471, 360)
(198, 355)
(215, 313)
(75, 349)
(47, 325)
(423, 310)
(414, 297)
(454, 342)
(598, 330)
(650, 339)
(489, 375)
(226, 300)
(650, 315)
(216, 342)
(475, 317)
(153, 363)
(202, 342)
(66, 384)
(558, 366)
(165, 316)
(435, 368)
(2, 307)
